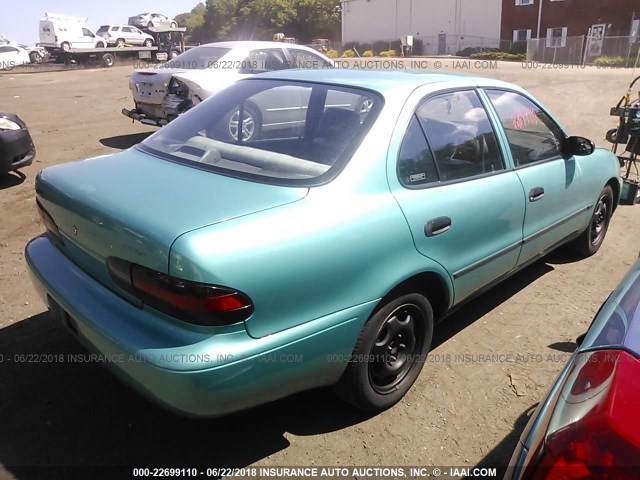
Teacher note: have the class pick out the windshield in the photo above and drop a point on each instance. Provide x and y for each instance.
(198, 58)
(284, 132)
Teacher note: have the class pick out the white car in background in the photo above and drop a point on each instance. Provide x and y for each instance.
(12, 56)
(152, 20)
(161, 94)
(119, 35)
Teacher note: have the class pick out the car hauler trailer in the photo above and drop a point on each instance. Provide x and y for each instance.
(168, 44)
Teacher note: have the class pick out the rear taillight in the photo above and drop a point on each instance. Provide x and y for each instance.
(193, 302)
(594, 431)
(49, 223)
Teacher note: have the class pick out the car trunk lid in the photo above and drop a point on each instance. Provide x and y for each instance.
(133, 206)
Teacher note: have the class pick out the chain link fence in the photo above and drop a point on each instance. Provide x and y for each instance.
(584, 50)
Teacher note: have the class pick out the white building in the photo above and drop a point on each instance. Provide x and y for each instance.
(444, 26)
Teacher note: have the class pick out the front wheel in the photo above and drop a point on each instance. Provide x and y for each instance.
(174, 25)
(389, 354)
(590, 241)
(66, 46)
(35, 57)
(120, 43)
(148, 42)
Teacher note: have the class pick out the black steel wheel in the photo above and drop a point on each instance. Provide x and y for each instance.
(590, 241)
(389, 354)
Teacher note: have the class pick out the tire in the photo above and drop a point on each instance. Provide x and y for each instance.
(65, 46)
(590, 241)
(35, 57)
(173, 54)
(174, 25)
(120, 42)
(251, 124)
(389, 354)
(150, 25)
(108, 60)
(148, 42)
(101, 45)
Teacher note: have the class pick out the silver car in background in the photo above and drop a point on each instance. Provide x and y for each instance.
(152, 20)
(161, 94)
(119, 35)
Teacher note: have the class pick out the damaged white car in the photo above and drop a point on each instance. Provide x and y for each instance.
(162, 94)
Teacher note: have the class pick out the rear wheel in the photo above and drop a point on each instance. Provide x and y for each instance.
(108, 60)
(174, 24)
(250, 124)
(65, 46)
(590, 241)
(173, 54)
(389, 354)
(150, 24)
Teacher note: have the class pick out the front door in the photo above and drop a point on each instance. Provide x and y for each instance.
(558, 201)
(464, 207)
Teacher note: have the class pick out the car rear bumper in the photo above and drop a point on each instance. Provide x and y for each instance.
(137, 115)
(192, 370)
(16, 148)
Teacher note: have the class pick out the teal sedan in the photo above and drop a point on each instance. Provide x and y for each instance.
(215, 270)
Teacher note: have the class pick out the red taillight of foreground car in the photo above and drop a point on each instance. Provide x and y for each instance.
(193, 302)
(594, 432)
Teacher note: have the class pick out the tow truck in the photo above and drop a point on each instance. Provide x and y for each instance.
(168, 44)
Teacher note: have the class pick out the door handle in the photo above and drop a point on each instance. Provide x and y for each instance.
(437, 226)
(536, 194)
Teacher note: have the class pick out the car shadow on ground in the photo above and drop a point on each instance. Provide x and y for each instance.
(122, 142)
(500, 455)
(11, 179)
(62, 413)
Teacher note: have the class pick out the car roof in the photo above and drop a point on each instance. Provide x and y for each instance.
(381, 80)
(248, 44)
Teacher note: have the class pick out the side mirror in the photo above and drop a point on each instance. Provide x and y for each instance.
(577, 146)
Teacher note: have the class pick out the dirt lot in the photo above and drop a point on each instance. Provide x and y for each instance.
(463, 410)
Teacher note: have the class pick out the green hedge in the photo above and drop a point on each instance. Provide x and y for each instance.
(498, 56)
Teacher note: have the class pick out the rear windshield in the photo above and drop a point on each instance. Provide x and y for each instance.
(282, 132)
(198, 58)
(102, 29)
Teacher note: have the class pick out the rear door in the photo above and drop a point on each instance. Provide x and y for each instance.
(463, 202)
(558, 200)
(130, 36)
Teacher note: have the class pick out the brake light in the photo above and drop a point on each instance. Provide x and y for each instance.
(49, 223)
(594, 431)
(193, 302)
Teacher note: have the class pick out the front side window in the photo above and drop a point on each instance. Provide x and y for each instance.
(533, 136)
(460, 135)
(86, 32)
(289, 133)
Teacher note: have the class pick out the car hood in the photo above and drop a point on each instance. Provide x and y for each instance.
(134, 206)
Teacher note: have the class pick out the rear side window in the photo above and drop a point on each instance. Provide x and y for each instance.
(115, 29)
(460, 135)
(533, 136)
(415, 161)
(265, 60)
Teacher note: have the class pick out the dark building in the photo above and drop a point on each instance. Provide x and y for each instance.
(558, 19)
